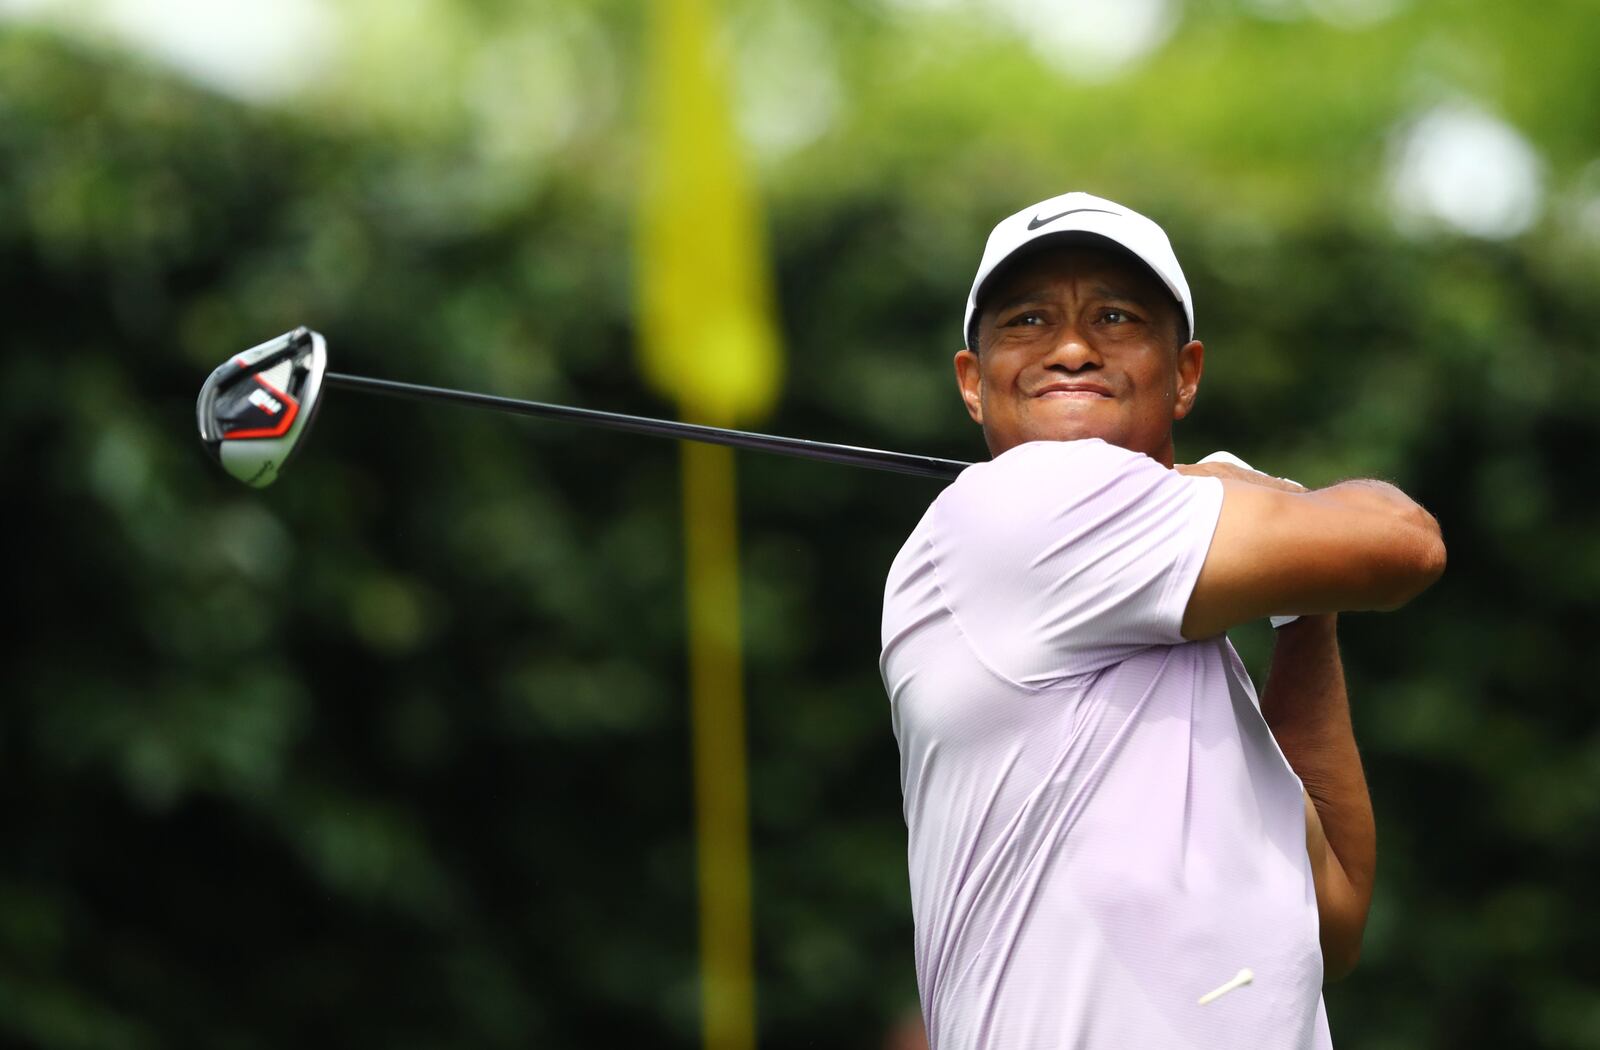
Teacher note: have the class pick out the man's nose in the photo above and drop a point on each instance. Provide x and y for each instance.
(1072, 351)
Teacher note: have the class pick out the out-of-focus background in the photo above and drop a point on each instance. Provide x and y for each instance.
(396, 753)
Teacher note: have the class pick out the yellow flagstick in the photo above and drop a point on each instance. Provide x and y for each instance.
(710, 343)
(727, 985)
(705, 308)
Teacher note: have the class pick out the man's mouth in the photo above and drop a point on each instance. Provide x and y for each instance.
(1073, 390)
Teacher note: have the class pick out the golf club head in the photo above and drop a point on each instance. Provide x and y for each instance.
(257, 407)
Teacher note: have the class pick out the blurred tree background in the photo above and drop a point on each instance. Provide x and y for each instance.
(395, 753)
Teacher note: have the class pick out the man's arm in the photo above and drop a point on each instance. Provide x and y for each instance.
(1355, 545)
(1306, 708)
(1304, 702)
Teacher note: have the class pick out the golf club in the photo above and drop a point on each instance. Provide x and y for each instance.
(256, 409)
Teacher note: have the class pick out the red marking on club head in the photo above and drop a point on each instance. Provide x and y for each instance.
(278, 429)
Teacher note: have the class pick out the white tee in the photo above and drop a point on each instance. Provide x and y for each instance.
(1101, 827)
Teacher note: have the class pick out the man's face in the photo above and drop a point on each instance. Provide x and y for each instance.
(1078, 342)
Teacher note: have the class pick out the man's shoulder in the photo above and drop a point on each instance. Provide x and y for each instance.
(993, 497)
(1037, 479)
(1080, 454)
(1042, 470)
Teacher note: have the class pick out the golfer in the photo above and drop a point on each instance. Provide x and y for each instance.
(1113, 844)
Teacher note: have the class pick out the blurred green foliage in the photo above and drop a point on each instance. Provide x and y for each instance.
(395, 752)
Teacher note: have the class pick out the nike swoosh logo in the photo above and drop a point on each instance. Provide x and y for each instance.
(1036, 222)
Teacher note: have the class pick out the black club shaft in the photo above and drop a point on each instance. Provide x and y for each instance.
(828, 452)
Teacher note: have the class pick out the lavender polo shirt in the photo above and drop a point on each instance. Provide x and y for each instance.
(1101, 827)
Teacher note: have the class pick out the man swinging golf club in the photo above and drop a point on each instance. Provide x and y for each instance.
(1112, 843)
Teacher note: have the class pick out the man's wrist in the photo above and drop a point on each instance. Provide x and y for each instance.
(1310, 626)
(1302, 651)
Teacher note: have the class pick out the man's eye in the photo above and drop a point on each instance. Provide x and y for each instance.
(1029, 318)
(1116, 317)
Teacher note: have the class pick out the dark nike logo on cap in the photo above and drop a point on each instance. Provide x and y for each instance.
(1036, 222)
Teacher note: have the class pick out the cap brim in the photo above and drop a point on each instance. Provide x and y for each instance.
(1058, 239)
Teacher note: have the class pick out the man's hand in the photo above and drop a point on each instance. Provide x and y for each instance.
(1232, 472)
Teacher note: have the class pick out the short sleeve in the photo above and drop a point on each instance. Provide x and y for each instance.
(1061, 557)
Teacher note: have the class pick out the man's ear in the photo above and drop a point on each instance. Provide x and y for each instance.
(1191, 363)
(969, 377)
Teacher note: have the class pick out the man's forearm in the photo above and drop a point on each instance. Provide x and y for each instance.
(1306, 707)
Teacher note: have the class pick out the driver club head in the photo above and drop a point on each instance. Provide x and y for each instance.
(257, 407)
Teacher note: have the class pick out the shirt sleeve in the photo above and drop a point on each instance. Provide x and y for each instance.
(1062, 557)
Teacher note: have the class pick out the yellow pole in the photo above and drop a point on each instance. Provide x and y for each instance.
(709, 341)
(727, 988)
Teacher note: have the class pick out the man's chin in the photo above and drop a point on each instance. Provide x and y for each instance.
(1066, 428)
(1078, 426)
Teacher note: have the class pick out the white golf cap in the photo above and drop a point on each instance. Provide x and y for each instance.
(1082, 213)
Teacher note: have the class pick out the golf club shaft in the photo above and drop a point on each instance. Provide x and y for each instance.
(896, 462)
